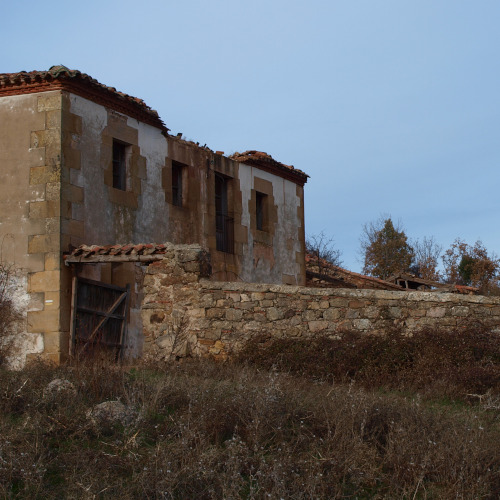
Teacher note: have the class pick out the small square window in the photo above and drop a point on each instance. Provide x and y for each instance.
(260, 211)
(177, 171)
(119, 165)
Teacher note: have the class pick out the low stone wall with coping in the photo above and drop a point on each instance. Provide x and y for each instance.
(186, 314)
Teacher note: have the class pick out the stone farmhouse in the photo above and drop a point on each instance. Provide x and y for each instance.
(83, 164)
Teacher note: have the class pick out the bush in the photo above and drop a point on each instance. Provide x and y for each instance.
(212, 431)
(451, 363)
(8, 313)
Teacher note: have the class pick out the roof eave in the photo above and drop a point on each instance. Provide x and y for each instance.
(85, 88)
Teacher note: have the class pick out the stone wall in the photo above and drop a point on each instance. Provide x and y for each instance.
(185, 314)
(30, 222)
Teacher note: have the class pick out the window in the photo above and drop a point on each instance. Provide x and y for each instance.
(177, 169)
(224, 224)
(260, 211)
(119, 165)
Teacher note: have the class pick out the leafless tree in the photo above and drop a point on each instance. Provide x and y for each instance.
(427, 252)
(323, 250)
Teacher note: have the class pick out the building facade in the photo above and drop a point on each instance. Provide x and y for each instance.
(83, 164)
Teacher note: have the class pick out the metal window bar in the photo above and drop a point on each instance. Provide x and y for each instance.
(224, 232)
(177, 184)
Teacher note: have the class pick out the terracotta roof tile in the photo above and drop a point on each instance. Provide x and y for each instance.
(61, 77)
(86, 252)
(265, 160)
(350, 276)
(35, 81)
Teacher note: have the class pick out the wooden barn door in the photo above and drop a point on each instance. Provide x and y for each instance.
(99, 318)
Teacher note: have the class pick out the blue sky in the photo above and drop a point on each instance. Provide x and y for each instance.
(391, 106)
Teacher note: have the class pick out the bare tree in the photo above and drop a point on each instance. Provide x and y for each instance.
(323, 250)
(425, 264)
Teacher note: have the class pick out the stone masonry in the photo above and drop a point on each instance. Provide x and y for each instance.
(186, 314)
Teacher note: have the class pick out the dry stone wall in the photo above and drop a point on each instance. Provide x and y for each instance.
(186, 314)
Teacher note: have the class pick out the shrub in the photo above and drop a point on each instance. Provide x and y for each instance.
(8, 312)
(450, 363)
(212, 431)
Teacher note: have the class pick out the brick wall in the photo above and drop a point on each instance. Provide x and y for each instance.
(186, 314)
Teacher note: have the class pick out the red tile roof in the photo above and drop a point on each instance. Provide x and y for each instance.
(267, 162)
(96, 253)
(360, 280)
(62, 78)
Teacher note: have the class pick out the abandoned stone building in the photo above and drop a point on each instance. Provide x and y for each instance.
(84, 164)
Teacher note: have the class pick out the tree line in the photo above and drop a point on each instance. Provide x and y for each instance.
(386, 251)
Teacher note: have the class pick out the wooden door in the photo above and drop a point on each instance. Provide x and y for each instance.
(99, 318)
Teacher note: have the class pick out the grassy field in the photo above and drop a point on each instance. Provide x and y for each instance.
(352, 418)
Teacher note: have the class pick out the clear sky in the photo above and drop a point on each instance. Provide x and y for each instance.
(391, 106)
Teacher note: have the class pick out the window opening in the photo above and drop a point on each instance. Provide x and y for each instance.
(260, 211)
(177, 184)
(224, 224)
(119, 165)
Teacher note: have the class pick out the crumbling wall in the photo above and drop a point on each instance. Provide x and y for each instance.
(185, 314)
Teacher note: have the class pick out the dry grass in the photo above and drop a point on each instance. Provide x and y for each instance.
(450, 363)
(211, 431)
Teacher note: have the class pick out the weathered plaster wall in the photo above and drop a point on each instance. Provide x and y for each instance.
(56, 193)
(272, 256)
(30, 180)
(110, 215)
(144, 212)
(183, 314)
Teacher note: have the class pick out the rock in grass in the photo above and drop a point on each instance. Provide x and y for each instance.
(59, 389)
(111, 413)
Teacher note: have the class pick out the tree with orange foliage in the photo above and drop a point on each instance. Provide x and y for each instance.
(472, 266)
(386, 249)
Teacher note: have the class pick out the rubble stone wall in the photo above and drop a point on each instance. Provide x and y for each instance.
(185, 314)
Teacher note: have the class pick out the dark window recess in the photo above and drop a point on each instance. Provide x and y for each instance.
(260, 209)
(224, 224)
(177, 184)
(119, 166)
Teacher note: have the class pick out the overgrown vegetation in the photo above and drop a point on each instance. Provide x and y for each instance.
(8, 312)
(454, 364)
(234, 430)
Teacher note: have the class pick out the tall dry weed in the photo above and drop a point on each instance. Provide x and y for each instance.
(211, 431)
(439, 363)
